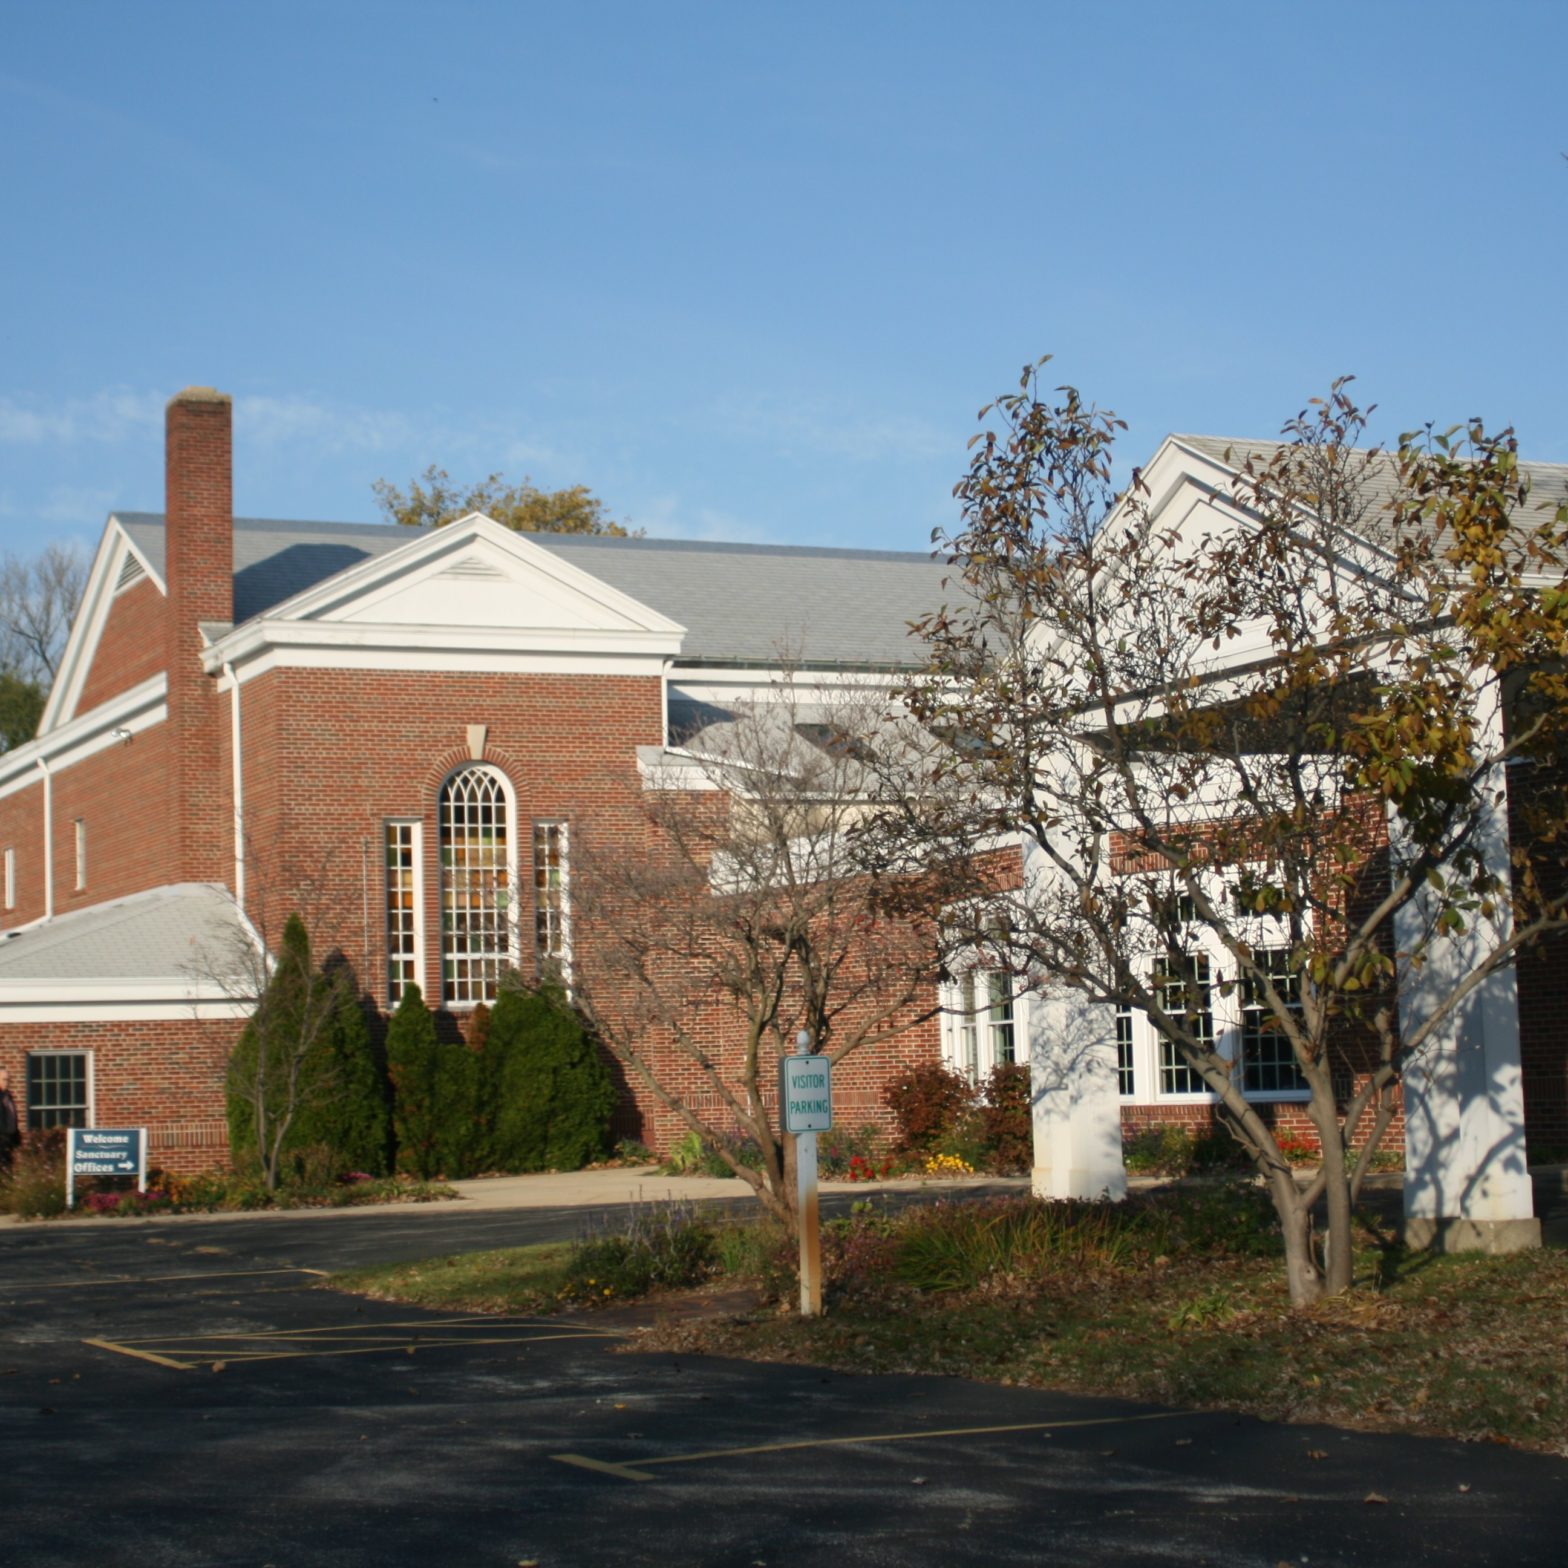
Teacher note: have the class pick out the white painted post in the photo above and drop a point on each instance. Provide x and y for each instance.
(1466, 1184)
(806, 1208)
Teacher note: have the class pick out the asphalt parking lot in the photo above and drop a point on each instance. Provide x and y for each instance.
(189, 1395)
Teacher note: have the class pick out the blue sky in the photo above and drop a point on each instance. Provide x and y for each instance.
(749, 271)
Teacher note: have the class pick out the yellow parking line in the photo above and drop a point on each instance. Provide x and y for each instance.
(638, 1471)
(356, 1329)
(621, 1472)
(162, 1279)
(217, 1347)
(141, 1355)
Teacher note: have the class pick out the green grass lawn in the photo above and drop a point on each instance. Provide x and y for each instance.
(511, 1280)
(1178, 1299)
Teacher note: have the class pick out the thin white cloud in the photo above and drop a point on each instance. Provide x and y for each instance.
(111, 417)
(305, 422)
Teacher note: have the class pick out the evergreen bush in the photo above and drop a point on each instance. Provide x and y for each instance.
(280, 1063)
(347, 1111)
(552, 1088)
(414, 1062)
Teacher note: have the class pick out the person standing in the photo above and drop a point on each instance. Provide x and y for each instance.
(10, 1126)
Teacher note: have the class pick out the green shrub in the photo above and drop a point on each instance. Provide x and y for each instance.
(347, 1112)
(35, 1187)
(695, 1155)
(554, 1094)
(1168, 1149)
(927, 1103)
(1007, 1120)
(305, 1075)
(662, 1247)
(277, 1066)
(1232, 1217)
(958, 1246)
(414, 1067)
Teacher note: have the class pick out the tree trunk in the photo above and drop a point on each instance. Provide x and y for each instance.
(1338, 1257)
(1295, 1220)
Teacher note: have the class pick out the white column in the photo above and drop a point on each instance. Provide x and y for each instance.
(1466, 1185)
(1072, 1077)
(1077, 1112)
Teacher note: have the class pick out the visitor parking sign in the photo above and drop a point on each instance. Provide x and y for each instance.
(806, 1093)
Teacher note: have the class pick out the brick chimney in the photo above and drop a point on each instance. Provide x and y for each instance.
(199, 574)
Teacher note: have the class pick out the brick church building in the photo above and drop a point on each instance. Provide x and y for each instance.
(247, 708)
(394, 719)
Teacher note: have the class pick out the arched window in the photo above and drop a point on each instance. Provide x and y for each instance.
(478, 907)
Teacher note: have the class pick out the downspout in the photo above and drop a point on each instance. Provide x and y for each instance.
(238, 759)
(43, 767)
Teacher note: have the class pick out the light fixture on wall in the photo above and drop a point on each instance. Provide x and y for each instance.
(122, 735)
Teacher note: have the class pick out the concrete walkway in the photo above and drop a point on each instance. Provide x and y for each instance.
(590, 1189)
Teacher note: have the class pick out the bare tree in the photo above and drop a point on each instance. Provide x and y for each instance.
(1264, 760)
(39, 596)
(752, 910)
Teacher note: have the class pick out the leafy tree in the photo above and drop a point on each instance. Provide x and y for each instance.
(21, 707)
(522, 507)
(420, 1090)
(554, 1096)
(1283, 737)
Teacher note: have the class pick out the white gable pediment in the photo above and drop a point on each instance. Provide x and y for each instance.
(482, 581)
(472, 585)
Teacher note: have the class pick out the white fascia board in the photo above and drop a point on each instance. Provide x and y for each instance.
(441, 652)
(720, 684)
(106, 1004)
(135, 710)
(91, 617)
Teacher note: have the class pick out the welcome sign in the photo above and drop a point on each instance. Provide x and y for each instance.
(104, 1151)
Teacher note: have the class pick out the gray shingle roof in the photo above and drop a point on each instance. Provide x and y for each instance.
(158, 935)
(740, 603)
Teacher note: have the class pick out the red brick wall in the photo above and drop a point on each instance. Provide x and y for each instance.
(167, 1077)
(122, 794)
(131, 647)
(329, 755)
(22, 830)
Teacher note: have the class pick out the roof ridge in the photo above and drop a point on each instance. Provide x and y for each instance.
(547, 538)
